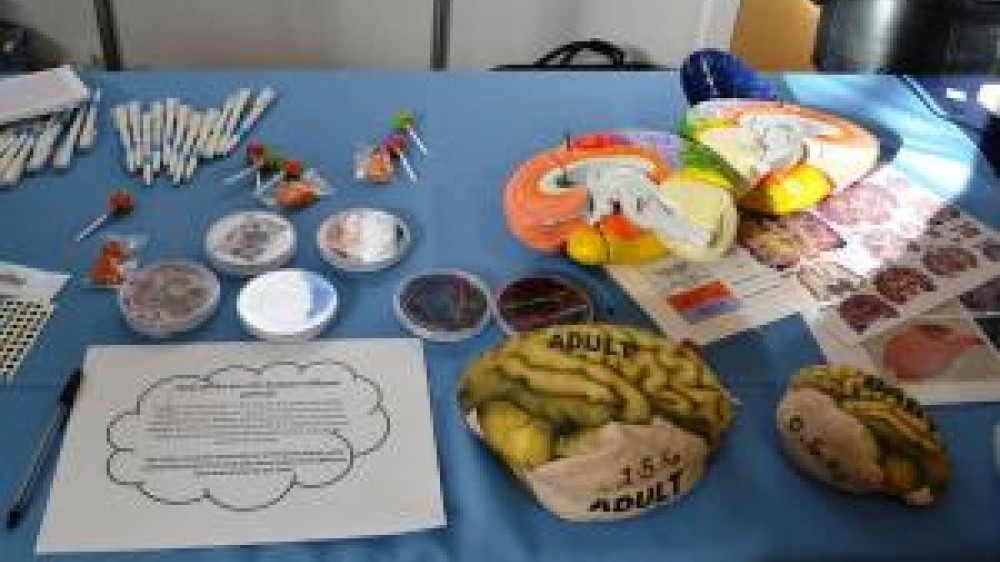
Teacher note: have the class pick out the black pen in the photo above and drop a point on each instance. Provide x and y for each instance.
(22, 498)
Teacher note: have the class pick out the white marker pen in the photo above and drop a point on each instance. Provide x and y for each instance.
(89, 131)
(156, 130)
(65, 152)
(264, 99)
(243, 96)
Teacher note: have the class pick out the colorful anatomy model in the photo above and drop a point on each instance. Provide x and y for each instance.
(633, 196)
(792, 156)
(625, 197)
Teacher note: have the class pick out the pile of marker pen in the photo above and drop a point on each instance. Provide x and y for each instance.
(29, 146)
(171, 137)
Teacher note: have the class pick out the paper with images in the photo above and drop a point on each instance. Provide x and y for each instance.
(865, 260)
(240, 443)
(950, 354)
(707, 302)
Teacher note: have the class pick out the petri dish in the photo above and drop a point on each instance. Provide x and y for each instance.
(250, 243)
(443, 305)
(540, 300)
(363, 239)
(168, 298)
(287, 305)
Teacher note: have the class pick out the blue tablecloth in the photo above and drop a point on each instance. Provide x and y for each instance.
(751, 505)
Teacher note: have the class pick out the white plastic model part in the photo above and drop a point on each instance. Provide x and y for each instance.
(989, 98)
(40, 93)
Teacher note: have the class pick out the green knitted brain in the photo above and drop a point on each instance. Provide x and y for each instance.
(601, 421)
(858, 433)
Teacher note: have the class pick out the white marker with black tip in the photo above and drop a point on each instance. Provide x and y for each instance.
(65, 152)
(147, 150)
(120, 116)
(220, 125)
(180, 129)
(191, 129)
(203, 131)
(12, 152)
(169, 116)
(15, 169)
(45, 142)
(156, 135)
(89, 131)
(242, 97)
(264, 99)
(208, 126)
(135, 126)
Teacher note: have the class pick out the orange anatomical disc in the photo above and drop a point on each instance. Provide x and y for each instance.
(545, 200)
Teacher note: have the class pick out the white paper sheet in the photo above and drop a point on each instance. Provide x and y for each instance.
(40, 93)
(948, 355)
(27, 283)
(707, 302)
(177, 446)
(864, 261)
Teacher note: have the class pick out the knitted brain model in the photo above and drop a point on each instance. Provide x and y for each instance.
(860, 434)
(601, 422)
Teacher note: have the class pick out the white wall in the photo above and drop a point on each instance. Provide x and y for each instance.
(373, 33)
(490, 32)
(367, 33)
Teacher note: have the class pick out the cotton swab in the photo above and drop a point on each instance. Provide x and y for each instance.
(89, 131)
(264, 99)
(65, 152)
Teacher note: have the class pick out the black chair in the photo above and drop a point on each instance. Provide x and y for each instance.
(908, 36)
(573, 56)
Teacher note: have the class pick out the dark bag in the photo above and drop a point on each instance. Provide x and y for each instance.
(14, 54)
(564, 57)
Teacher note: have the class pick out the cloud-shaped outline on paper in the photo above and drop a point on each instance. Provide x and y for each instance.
(206, 493)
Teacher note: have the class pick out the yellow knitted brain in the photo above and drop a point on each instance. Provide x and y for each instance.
(601, 421)
(858, 433)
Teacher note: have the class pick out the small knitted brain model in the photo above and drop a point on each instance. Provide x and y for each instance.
(601, 422)
(860, 434)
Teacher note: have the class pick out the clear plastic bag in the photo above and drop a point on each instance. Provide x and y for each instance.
(116, 258)
(292, 194)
